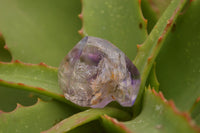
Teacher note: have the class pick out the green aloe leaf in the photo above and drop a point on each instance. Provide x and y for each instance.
(152, 79)
(148, 51)
(40, 79)
(34, 75)
(178, 64)
(9, 97)
(34, 119)
(158, 116)
(91, 127)
(86, 117)
(195, 112)
(149, 15)
(19, 81)
(112, 125)
(153, 10)
(119, 22)
(4, 53)
(40, 30)
(157, 6)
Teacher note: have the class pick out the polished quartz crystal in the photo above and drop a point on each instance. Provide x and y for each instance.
(95, 72)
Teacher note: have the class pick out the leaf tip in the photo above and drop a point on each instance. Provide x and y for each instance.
(116, 123)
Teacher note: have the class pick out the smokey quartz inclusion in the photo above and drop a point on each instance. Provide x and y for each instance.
(95, 72)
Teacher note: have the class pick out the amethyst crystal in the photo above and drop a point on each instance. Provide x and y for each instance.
(95, 72)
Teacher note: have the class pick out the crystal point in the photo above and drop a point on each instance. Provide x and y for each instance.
(95, 72)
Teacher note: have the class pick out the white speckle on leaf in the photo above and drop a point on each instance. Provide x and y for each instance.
(140, 121)
(159, 108)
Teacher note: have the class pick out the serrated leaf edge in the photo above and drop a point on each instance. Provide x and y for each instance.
(172, 105)
(148, 51)
(143, 18)
(117, 123)
(81, 120)
(81, 31)
(39, 90)
(20, 106)
(29, 64)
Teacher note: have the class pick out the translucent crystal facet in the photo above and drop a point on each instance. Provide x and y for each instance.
(95, 72)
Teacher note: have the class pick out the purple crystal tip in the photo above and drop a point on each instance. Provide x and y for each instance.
(95, 72)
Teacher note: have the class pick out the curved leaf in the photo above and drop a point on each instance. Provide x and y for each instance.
(86, 117)
(91, 127)
(40, 79)
(157, 116)
(178, 64)
(9, 98)
(34, 119)
(148, 51)
(34, 75)
(119, 22)
(40, 30)
(112, 125)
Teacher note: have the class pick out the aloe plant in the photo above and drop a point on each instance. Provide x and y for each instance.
(161, 37)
